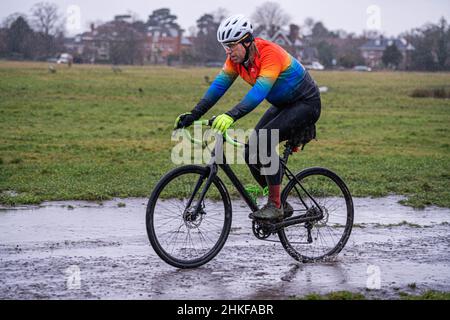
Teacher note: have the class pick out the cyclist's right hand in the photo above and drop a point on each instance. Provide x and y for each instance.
(184, 120)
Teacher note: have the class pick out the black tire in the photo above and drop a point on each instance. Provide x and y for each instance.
(175, 212)
(326, 187)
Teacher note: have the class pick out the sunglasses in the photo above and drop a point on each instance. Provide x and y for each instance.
(232, 45)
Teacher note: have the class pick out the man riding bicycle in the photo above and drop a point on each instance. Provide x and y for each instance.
(275, 76)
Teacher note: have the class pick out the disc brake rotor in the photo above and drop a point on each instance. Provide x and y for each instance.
(193, 220)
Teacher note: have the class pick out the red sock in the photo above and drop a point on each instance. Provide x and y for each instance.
(274, 195)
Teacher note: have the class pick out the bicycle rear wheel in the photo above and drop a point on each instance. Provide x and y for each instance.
(317, 240)
(181, 237)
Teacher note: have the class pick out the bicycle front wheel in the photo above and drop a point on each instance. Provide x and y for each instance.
(179, 235)
(317, 190)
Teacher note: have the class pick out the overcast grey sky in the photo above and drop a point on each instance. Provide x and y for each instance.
(351, 15)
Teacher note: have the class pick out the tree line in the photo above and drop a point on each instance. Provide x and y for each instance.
(36, 36)
(41, 34)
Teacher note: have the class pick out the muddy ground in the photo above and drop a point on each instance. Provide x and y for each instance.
(44, 248)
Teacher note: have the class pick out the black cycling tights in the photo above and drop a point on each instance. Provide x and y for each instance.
(287, 120)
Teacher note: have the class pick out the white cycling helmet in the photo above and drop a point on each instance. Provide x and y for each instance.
(234, 28)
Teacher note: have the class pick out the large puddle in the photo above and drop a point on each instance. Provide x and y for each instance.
(84, 250)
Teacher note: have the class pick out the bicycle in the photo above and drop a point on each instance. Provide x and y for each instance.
(189, 231)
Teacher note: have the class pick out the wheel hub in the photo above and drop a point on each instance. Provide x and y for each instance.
(323, 222)
(192, 219)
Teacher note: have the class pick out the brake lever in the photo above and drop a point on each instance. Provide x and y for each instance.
(211, 121)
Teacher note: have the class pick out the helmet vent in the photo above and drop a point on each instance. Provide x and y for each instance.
(228, 34)
(238, 34)
(245, 24)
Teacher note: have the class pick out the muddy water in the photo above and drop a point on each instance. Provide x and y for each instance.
(83, 250)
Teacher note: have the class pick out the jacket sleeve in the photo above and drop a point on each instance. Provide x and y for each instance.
(270, 70)
(217, 89)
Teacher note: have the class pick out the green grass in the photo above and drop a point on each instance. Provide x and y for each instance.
(427, 295)
(88, 133)
(348, 295)
(439, 93)
(337, 295)
(400, 224)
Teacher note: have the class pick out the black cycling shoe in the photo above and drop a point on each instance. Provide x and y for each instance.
(268, 212)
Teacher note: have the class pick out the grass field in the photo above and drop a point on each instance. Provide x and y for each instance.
(89, 133)
(347, 295)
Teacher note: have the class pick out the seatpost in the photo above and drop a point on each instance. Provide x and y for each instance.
(287, 152)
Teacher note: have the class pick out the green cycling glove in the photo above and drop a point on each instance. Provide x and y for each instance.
(222, 123)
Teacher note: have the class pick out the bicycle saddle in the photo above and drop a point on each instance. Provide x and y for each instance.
(301, 137)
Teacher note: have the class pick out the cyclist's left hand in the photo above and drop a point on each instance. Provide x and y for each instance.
(222, 123)
(184, 120)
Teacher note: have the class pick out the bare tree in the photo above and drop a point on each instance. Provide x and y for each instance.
(308, 26)
(46, 18)
(271, 17)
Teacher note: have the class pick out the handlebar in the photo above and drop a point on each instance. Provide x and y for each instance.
(205, 122)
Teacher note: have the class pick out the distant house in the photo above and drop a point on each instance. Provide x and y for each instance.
(372, 51)
(292, 41)
(187, 43)
(74, 45)
(104, 42)
(163, 42)
(293, 45)
(154, 44)
(308, 55)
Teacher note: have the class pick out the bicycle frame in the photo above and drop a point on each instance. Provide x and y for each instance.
(213, 170)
